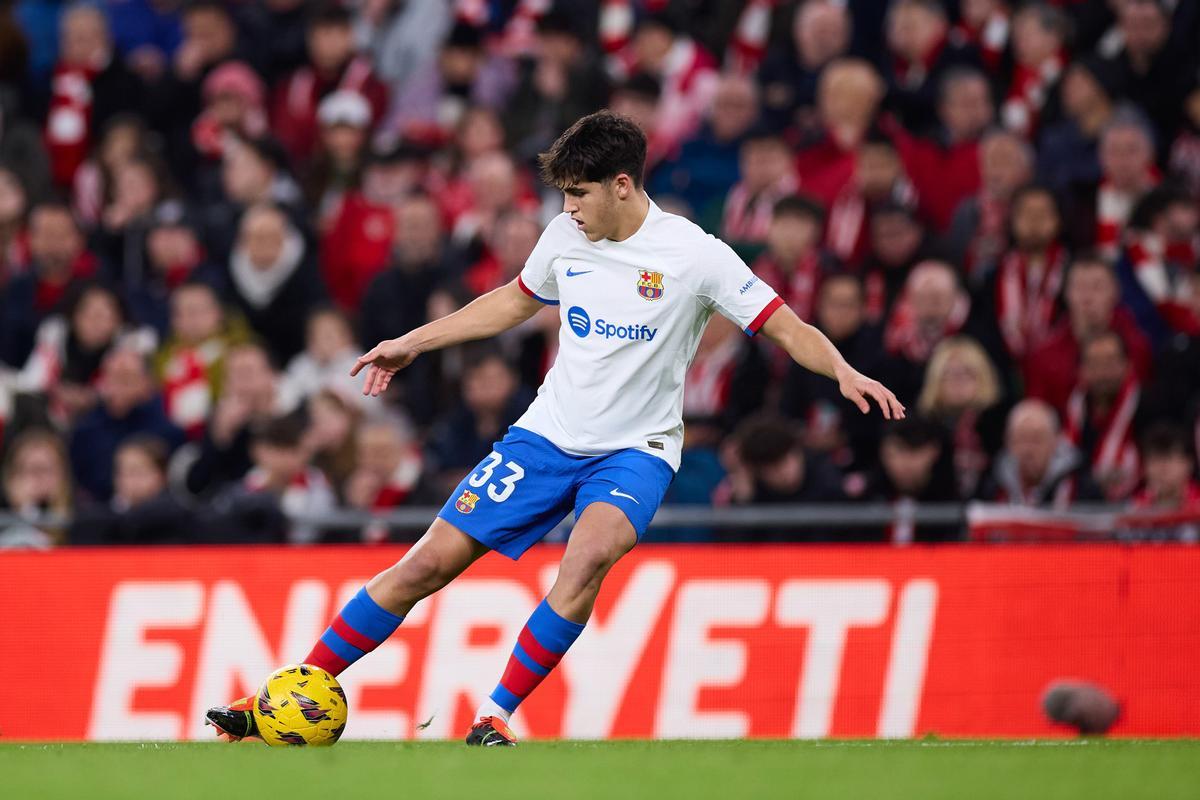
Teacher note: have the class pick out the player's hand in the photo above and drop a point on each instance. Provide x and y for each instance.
(857, 387)
(382, 362)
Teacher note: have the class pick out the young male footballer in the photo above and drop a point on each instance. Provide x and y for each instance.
(635, 287)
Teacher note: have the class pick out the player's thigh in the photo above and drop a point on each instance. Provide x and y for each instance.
(631, 481)
(435, 560)
(514, 496)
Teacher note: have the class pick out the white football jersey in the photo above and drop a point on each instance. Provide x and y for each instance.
(632, 314)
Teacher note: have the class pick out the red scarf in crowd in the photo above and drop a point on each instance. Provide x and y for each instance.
(1027, 297)
(990, 38)
(990, 235)
(849, 219)
(68, 133)
(748, 216)
(1114, 457)
(906, 338)
(797, 286)
(1112, 212)
(1160, 269)
(187, 393)
(1027, 94)
(749, 42)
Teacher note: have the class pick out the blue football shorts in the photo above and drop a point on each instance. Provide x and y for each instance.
(526, 486)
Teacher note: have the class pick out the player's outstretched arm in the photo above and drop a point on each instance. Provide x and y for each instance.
(812, 350)
(484, 316)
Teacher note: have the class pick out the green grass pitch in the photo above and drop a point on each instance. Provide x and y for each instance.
(861, 770)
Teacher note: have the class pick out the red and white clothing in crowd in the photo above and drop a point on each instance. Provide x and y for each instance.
(796, 283)
(689, 85)
(1027, 93)
(709, 380)
(905, 336)
(1163, 270)
(14, 256)
(1113, 207)
(187, 375)
(1143, 500)
(294, 109)
(389, 493)
(232, 79)
(847, 230)
(991, 235)
(990, 37)
(749, 42)
(356, 247)
(307, 494)
(48, 294)
(943, 175)
(1027, 290)
(912, 74)
(518, 37)
(1113, 455)
(69, 126)
(747, 214)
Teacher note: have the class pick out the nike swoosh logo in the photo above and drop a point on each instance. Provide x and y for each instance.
(619, 493)
(573, 274)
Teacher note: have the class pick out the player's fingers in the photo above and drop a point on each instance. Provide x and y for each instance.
(363, 360)
(856, 397)
(880, 396)
(387, 381)
(369, 383)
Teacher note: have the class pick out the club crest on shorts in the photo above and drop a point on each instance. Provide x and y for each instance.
(650, 284)
(466, 502)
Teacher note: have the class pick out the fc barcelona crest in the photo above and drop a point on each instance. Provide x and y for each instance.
(650, 285)
(466, 502)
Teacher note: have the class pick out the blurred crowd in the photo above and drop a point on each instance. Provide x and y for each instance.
(208, 209)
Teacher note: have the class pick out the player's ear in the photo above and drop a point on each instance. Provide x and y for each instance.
(623, 185)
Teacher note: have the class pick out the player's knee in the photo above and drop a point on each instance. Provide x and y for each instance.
(586, 565)
(419, 574)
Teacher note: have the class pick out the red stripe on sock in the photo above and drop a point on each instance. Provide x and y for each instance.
(321, 656)
(352, 637)
(519, 679)
(541, 655)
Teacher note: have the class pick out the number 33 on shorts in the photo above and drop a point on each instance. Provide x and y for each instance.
(508, 484)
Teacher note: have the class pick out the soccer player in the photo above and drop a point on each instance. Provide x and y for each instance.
(635, 287)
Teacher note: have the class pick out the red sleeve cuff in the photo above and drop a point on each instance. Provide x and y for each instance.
(531, 293)
(764, 315)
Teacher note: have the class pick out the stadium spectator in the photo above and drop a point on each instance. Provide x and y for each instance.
(174, 257)
(1169, 486)
(492, 399)
(387, 473)
(14, 235)
(1101, 414)
(333, 66)
(1068, 150)
(898, 243)
(820, 32)
(344, 119)
(879, 180)
(1039, 33)
(274, 279)
(686, 72)
(1038, 467)
(252, 171)
(978, 232)
(768, 464)
(328, 356)
(235, 102)
(142, 510)
(1092, 300)
(128, 403)
(1029, 277)
(986, 25)
(915, 466)
(435, 98)
(933, 306)
(332, 435)
(282, 473)
(1155, 42)
(963, 392)
(849, 93)
(190, 365)
(507, 249)
(250, 395)
(793, 262)
(402, 38)
(21, 150)
(1128, 172)
(69, 348)
(945, 167)
(1184, 159)
(494, 186)
(37, 488)
(120, 239)
(560, 83)
(767, 176)
(57, 258)
(637, 97)
(728, 378)
(124, 138)
(1162, 246)
(921, 52)
(90, 86)
(849, 439)
(707, 162)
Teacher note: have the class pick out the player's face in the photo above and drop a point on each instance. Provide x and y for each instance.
(592, 206)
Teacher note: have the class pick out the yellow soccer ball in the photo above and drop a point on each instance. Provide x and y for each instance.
(300, 705)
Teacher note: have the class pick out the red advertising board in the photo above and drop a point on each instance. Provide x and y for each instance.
(710, 641)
